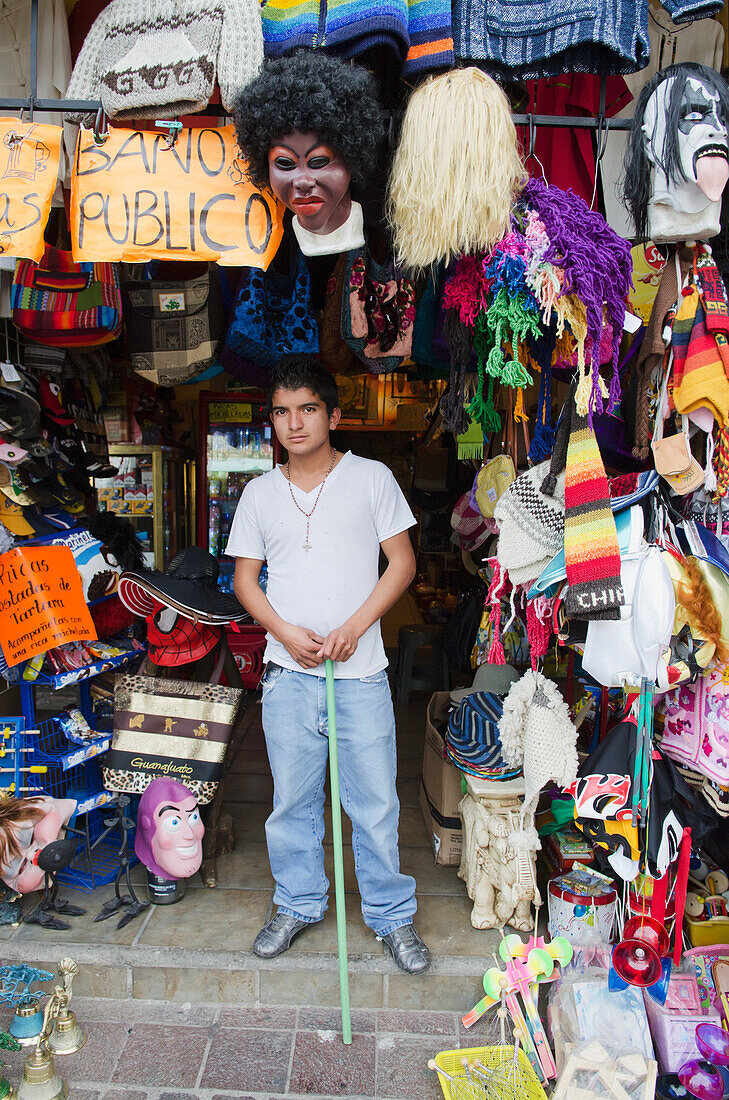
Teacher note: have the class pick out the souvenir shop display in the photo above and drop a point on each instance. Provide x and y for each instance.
(551, 395)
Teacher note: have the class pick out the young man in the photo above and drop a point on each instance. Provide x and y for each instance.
(319, 521)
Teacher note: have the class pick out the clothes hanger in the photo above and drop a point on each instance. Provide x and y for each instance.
(531, 154)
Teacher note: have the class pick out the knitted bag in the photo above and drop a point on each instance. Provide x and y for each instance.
(67, 305)
(378, 312)
(337, 355)
(174, 326)
(273, 316)
(424, 352)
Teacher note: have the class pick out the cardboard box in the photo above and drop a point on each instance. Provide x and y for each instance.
(109, 493)
(440, 789)
(142, 507)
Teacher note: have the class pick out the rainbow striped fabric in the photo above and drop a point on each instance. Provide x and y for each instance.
(591, 550)
(417, 31)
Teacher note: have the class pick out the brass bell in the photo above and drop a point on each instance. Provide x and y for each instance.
(67, 1036)
(40, 1080)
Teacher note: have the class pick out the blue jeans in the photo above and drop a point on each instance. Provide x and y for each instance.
(295, 725)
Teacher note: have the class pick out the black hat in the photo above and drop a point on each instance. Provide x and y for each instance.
(189, 585)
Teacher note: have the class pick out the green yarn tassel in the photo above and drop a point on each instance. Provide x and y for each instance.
(483, 411)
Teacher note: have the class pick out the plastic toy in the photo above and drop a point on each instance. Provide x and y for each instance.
(638, 959)
(527, 965)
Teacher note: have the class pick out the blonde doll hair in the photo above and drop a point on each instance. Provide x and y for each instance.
(456, 171)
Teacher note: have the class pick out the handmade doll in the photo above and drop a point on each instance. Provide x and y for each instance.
(308, 127)
(27, 825)
(676, 160)
(169, 830)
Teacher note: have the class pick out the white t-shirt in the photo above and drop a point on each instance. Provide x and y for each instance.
(360, 506)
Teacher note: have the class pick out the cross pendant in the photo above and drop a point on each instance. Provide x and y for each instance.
(307, 546)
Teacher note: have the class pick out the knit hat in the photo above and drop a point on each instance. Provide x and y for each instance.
(531, 525)
(468, 524)
(494, 679)
(537, 732)
(591, 548)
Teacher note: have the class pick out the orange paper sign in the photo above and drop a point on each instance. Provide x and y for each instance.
(136, 198)
(29, 156)
(41, 601)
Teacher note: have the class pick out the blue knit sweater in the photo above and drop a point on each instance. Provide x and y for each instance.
(528, 39)
(417, 31)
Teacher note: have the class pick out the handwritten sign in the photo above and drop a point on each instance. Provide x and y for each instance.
(29, 156)
(41, 601)
(136, 198)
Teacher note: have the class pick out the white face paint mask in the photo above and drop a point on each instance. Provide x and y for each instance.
(690, 208)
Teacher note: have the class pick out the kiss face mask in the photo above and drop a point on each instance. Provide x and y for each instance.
(686, 145)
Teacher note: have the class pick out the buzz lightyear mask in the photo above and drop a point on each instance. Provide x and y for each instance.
(676, 164)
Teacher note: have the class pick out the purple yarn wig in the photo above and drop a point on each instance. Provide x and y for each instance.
(598, 268)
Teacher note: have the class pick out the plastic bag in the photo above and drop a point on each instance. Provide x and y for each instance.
(603, 1071)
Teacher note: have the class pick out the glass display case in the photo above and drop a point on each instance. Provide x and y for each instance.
(154, 489)
(236, 444)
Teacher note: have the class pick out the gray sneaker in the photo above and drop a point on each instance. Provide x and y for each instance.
(407, 949)
(277, 936)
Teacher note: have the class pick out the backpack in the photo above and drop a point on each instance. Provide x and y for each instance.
(696, 728)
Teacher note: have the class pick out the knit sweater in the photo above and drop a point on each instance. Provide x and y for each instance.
(158, 58)
(528, 39)
(417, 31)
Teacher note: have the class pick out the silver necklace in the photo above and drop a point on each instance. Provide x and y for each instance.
(307, 544)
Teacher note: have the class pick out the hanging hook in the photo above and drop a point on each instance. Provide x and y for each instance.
(603, 130)
(101, 127)
(173, 129)
(531, 154)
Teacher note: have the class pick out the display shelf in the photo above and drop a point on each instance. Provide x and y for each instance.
(240, 462)
(74, 675)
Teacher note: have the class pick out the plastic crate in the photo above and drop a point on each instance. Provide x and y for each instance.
(97, 860)
(74, 771)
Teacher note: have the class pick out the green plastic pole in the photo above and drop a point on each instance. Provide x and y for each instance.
(338, 857)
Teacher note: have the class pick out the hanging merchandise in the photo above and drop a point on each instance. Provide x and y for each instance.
(162, 58)
(64, 304)
(605, 791)
(174, 325)
(591, 549)
(537, 733)
(414, 36)
(531, 524)
(676, 160)
(29, 178)
(521, 41)
(272, 317)
(533, 266)
(378, 311)
(293, 101)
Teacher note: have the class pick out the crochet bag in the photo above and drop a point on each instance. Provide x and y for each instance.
(67, 305)
(696, 729)
(424, 353)
(378, 312)
(174, 326)
(337, 355)
(189, 746)
(273, 316)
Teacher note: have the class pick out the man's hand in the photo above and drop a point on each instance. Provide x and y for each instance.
(339, 645)
(303, 645)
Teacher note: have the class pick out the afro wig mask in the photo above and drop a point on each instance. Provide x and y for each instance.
(310, 91)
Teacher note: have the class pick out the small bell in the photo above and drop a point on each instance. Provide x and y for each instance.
(67, 1036)
(27, 1023)
(40, 1080)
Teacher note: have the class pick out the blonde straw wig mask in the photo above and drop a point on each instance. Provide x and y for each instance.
(457, 169)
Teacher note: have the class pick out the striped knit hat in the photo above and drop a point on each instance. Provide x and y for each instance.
(591, 549)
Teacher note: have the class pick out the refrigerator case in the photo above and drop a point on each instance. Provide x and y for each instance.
(236, 444)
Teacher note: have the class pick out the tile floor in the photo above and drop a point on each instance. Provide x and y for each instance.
(176, 1005)
(144, 1050)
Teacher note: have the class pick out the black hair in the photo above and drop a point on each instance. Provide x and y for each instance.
(297, 372)
(636, 182)
(310, 91)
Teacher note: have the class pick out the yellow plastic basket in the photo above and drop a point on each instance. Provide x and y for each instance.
(525, 1085)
